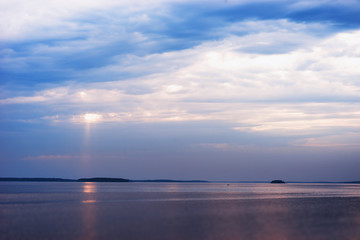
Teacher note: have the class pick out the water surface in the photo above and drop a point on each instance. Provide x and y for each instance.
(72, 210)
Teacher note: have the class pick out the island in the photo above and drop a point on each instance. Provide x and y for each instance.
(95, 179)
(102, 179)
(277, 181)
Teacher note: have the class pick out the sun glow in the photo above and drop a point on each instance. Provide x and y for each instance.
(92, 117)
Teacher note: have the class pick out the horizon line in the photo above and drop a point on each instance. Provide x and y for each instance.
(112, 179)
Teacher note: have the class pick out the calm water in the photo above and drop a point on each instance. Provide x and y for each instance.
(30, 210)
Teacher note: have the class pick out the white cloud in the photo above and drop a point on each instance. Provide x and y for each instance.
(15, 100)
(39, 19)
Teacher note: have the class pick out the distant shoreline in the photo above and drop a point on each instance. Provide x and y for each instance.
(97, 179)
(103, 179)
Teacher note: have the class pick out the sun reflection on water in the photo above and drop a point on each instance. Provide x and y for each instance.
(89, 187)
(88, 201)
(89, 211)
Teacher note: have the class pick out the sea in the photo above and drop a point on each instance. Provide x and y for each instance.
(218, 211)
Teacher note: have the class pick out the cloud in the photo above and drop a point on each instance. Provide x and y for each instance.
(54, 157)
(225, 146)
(344, 16)
(285, 72)
(57, 40)
(349, 140)
(56, 18)
(72, 157)
(15, 100)
(310, 88)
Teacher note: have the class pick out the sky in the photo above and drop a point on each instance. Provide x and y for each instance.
(211, 90)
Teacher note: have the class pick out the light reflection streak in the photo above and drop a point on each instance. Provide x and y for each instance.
(88, 201)
(172, 188)
(89, 187)
(89, 211)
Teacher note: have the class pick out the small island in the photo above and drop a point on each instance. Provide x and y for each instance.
(277, 181)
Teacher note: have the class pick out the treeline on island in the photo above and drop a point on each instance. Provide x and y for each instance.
(96, 179)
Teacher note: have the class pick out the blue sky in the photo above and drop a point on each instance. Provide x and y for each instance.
(216, 90)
